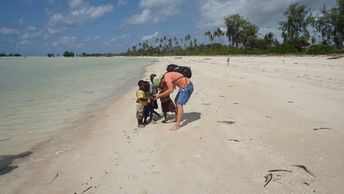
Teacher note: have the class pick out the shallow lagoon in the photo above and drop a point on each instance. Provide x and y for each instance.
(40, 96)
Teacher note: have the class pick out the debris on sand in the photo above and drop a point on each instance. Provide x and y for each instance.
(87, 189)
(268, 178)
(226, 122)
(315, 129)
(280, 170)
(304, 168)
(57, 174)
(236, 140)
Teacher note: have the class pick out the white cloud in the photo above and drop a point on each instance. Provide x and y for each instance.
(66, 39)
(150, 37)
(95, 38)
(154, 11)
(76, 3)
(79, 13)
(30, 35)
(122, 2)
(52, 30)
(260, 12)
(31, 28)
(143, 17)
(22, 43)
(4, 30)
(121, 38)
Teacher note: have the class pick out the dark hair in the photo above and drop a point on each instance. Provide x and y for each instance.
(171, 67)
(152, 76)
(146, 86)
(141, 84)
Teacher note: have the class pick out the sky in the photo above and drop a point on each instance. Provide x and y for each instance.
(38, 27)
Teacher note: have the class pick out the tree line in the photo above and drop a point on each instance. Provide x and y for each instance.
(301, 32)
(83, 54)
(10, 55)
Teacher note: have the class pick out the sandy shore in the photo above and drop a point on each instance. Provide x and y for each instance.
(245, 118)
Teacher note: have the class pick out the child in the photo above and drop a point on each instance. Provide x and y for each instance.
(153, 104)
(141, 102)
(147, 108)
(167, 104)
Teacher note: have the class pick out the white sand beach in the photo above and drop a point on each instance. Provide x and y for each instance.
(258, 124)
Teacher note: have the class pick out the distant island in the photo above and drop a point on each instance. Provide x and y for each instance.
(72, 54)
(10, 55)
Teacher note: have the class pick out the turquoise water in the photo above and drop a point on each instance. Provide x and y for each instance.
(39, 96)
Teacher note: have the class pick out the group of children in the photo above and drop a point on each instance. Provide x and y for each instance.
(146, 103)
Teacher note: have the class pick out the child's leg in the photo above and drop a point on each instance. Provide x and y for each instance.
(139, 116)
(139, 121)
(165, 117)
(145, 114)
(150, 116)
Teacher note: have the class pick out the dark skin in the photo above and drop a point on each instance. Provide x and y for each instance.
(152, 111)
(142, 86)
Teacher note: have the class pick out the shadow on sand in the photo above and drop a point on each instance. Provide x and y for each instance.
(190, 117)
(6, 162)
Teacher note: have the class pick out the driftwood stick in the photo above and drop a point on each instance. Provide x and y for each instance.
(268, 178)
(304, 168)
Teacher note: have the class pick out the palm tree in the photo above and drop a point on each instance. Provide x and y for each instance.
(220, 34)
(210, 36)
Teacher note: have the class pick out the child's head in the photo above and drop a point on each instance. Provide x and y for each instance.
(142, 85)
(152, 76)
(146, 83)
(157, 79)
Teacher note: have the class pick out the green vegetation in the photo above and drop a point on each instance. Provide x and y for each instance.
(10, 55)
(68, 54)
(98, 54)
(301, 32)
(50, 55)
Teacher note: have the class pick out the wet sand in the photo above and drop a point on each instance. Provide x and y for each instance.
(267, 124)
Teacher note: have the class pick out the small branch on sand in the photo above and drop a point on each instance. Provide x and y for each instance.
(304, 168)
(268, 178)
(86, 189)
(280, 170)
(226, 122)
(315, 129)
(57, 174)
(233, 140)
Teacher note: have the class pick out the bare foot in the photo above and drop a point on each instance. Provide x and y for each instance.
(174, 128)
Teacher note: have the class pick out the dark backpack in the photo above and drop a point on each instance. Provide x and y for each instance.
(186, 71)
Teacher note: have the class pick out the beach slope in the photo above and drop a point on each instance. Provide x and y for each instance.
(267, 124)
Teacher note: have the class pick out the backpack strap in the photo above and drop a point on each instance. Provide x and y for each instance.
(174, 82)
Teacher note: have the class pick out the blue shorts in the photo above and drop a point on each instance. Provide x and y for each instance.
(184, 94)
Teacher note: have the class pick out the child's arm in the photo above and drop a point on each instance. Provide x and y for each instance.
(142, 99)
